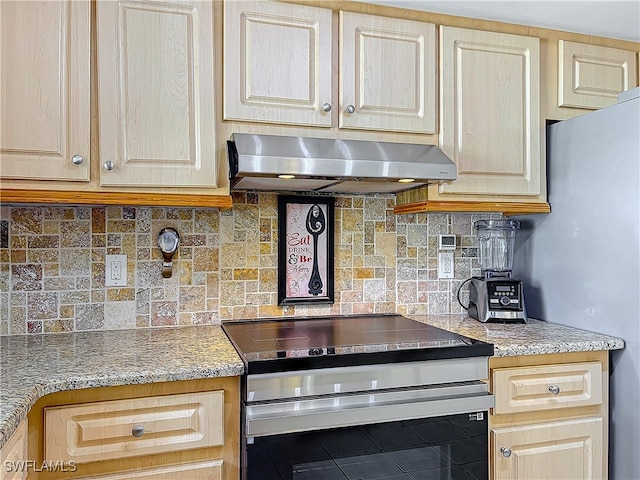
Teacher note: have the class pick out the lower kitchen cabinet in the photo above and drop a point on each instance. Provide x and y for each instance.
(550, 418)
(180, 430)
(13, 453)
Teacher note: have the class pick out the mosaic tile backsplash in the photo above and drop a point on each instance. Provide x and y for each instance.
(52, 264)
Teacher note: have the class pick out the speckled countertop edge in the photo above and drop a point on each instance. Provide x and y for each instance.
(533, 338)
(32, 366)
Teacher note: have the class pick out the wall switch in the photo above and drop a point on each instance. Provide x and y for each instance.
(116, 271)
(445, 265)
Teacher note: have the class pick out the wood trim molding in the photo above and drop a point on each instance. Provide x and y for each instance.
(507, 208)
(8, 195)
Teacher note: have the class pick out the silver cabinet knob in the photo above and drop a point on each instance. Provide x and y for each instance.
(350, 109)
(554, 389)
(506, 452)
(109, 165)
(137, 431)
(77, 159)
(326, 107)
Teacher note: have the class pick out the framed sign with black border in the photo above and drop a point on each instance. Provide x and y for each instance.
(305, 249)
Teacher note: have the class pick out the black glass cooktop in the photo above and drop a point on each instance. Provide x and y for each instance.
(275, 345)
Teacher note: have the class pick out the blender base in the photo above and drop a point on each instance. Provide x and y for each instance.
(497, 300)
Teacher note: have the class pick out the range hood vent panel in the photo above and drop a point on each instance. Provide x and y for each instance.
(256, 161)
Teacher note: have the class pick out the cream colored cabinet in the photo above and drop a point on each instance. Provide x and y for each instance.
(205, 470)
(14, 454)
(156, 93)
(277, 63)
(45, 85)
(278, 68)
(550, 416)
(490, 114)
(387, 74)
(570, 450)
(591, 76)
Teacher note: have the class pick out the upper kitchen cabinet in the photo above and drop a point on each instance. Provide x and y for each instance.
(591, 76)
(156, 93)
(490, 125)
(45, 85)
(277, 63)
(387, 74)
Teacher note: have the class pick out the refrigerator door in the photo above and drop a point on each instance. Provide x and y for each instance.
(580, 264)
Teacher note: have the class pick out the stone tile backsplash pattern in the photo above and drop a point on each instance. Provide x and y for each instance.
(52, 264)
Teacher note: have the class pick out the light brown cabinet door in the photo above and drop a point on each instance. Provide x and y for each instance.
(591, 76)
(490, 113)
(570, 450)
(156, 93)
(14, 454)
(277, 63)
(44, 80)
(207, 470)
(387, 74)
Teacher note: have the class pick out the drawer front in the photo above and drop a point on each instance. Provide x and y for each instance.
(547, 387)
(13, 455)
(211, 470)
(127, 428)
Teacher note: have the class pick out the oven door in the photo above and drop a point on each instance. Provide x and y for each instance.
(334, 429)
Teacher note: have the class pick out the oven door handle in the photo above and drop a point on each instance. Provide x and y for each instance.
(335, 411)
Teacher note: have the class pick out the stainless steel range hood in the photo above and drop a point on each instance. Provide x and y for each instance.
(326, 165)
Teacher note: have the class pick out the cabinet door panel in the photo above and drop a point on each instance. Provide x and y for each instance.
(44, 80)
(388, 73)
(277, 63)
(571, 450)
(155, 63)
(490, 112)
(208, 470)
(13, 453)
(590, 76)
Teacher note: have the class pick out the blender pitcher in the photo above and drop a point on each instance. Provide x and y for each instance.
(495, 295)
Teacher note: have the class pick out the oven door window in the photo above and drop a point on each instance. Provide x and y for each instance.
(450, 447)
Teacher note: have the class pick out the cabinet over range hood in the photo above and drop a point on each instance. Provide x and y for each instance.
(327, 165)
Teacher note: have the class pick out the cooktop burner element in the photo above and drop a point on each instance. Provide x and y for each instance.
(283, 344)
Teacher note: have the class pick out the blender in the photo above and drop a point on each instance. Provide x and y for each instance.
(495, 295)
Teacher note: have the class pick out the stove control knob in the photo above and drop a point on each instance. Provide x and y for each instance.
(504, 301)
(315, 351)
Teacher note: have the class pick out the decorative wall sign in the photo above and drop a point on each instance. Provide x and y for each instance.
(305, 250)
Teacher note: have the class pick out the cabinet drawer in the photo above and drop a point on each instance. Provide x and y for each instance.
(547, 387)
(126, 428)
(13, 452)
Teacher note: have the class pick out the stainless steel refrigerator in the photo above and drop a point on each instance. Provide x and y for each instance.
(580, 264)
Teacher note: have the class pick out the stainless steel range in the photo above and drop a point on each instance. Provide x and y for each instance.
(361, 396)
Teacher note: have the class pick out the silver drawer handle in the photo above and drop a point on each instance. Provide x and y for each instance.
(137, 431)
(326, 107)
(77, 160)
(350, 109)
(109, 165)
(506, 452)
(554, 389)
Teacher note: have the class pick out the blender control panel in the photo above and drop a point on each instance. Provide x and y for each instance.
(504, 294)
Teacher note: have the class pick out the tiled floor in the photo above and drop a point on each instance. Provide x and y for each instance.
(442, 448)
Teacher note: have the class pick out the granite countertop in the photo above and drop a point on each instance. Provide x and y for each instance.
(533, 338)
(32, 366)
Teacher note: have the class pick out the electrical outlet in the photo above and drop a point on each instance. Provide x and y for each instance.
(445, 265)
(116, 271)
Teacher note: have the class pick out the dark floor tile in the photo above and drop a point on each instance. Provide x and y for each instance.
(462, 451)
(323, 470)
(472, 427)
(436, 432)
(452, 472)
(392, 436)
(478, 470)
(346, 442)
(419, 459)
(266, 471)
(367, 466)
